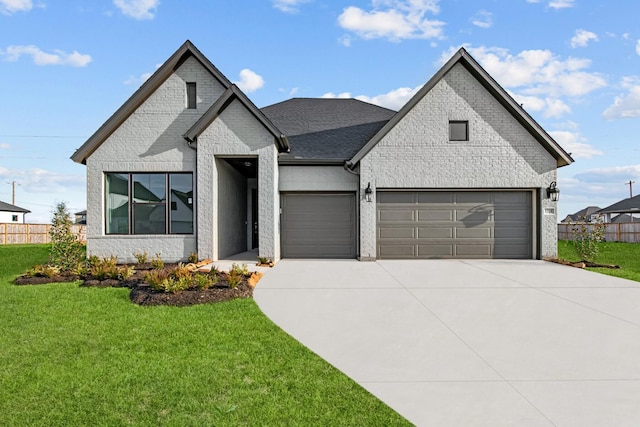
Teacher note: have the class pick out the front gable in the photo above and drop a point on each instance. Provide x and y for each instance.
(476, 77)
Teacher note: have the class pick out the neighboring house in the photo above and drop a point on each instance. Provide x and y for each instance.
(190, 164)
(622, 218)
(12, 214)
(583, 215)
(629, 206)
(81, 217)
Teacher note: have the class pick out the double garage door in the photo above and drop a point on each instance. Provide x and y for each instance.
(460, 224)
(318, 225)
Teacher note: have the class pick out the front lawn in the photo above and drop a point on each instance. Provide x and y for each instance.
(626, 255)
(88, 356)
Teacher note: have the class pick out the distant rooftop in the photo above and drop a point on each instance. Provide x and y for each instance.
(6, 207)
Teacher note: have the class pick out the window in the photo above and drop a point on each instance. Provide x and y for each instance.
(14, 218)
(191, 96)
(136, 203)
(458, 130)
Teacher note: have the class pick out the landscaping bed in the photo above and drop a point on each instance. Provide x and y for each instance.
(216, 286)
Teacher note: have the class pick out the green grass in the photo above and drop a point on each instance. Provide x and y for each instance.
(626, 255)
(87, 356)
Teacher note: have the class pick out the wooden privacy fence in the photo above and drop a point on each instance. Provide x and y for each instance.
(614, 232)
(11, 234)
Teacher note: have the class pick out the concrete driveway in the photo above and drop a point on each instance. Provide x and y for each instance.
(472, 342)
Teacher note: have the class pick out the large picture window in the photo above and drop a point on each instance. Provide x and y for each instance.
(149, 203)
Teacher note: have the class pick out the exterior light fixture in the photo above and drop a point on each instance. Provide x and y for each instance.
(553, 192)
(368, 192)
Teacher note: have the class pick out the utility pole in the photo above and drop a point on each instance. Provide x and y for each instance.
(630, 184)
(13, 192)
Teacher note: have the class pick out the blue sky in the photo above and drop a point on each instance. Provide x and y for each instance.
(66, 66)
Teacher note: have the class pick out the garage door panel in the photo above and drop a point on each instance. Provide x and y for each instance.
(318, 225)
(435, 233)
(470, 250)
(397, 233)
(441, 250)
(466, 224)
(473, 233)
(396, 215)
(398, 251)
(434, 215)
(434, 198)
(473, 197)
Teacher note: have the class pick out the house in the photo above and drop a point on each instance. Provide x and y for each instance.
(583, 215)
(12, 214)
(190, 164)
(629, 206)
(81, 217)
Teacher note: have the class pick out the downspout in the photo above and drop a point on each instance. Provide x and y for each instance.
(347, 167)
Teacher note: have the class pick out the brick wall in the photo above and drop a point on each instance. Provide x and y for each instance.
(417, 153)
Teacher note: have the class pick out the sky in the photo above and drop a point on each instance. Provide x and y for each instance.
(67, 65)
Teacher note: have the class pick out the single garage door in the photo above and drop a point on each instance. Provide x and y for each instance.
(461, 224)
(318, 225)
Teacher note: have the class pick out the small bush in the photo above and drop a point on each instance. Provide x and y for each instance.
(204, 281)
(181, 271)
(193, 257)
(124, 272)
(156, 262)
(155, 278)
(141, 257)
(107, 268)
(43, 271)
(241, 270)
(263, 260)
(234, 279)
(587, 238)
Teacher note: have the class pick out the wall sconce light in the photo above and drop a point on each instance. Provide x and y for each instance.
(368, 192)
(553, 192)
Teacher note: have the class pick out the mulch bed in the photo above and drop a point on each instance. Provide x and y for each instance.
(581, 264)
(142, 294)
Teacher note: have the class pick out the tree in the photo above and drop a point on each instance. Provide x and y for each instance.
(66, 251)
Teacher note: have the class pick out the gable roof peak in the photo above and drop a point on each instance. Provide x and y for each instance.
(489, 83)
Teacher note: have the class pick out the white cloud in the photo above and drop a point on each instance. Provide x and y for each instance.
(582, 38)
(9, 7)
(133, 80)
(537, 74)
(556, 4)
(249, 81)
(137, 9)
(289, 6)
(573, 143)
(561, 4)
(4, 146)
(483, 19)
(615, 174)
(393, 20)
(627, 105)
(638, 47)
(57, 57)
(393, 99)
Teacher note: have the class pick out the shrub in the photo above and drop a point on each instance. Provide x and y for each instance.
(66, 250)
(193, 257)
(241, 270)
(141, 257)
(263, 260)
(204, 281)
(43, 271)
(587, 238)
(156, 262)
(155, 278)
(180, 272)
(234, 279)
(107, 268)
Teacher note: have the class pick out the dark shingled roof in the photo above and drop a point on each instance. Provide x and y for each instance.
(6, 207)
(623, 206)
(326, 128)
(582, 214)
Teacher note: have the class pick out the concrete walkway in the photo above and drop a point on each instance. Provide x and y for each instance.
(473, 342)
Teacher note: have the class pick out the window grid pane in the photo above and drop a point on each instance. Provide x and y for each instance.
(458, 131)
(117, 203)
